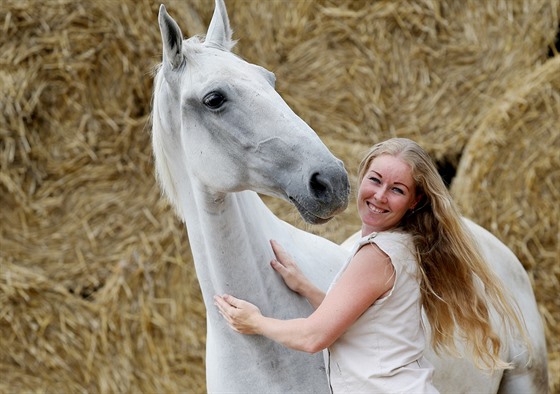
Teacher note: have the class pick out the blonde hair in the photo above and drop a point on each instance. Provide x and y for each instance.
(452, 269)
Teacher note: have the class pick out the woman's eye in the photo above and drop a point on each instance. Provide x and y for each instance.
(374, 179)
(398, 190)
(214, 100)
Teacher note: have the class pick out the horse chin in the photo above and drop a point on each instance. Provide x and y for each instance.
(312, 219)
(309, 217)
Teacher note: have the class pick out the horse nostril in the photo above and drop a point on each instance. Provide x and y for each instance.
(318, 186)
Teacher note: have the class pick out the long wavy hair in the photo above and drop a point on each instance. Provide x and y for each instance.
(458, 288)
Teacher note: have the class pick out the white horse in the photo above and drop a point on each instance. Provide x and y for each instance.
(221, 134)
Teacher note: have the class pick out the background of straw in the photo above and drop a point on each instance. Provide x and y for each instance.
(97, 287)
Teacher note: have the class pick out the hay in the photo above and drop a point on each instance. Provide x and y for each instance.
(97, 287)
(97, 290)
(509, 182)
(360, 71)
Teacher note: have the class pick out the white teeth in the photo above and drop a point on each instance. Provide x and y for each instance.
(374, 209)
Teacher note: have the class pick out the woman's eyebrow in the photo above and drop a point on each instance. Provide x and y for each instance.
(396, 183)
(402, 184)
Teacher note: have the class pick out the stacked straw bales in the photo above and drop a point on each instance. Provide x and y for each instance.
(97, 292)
(97, 288)
(509, 180)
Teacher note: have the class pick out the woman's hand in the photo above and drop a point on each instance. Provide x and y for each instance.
(241, 315)
(294, 277)
(288, 269)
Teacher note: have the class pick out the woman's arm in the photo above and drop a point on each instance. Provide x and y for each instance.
(369, 276)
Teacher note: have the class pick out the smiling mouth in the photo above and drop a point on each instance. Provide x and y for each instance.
(374, 209)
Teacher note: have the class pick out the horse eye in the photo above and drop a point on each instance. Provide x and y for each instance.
(214, 100)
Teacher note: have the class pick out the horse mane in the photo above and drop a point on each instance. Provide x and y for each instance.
(227, 48)
(163, 172)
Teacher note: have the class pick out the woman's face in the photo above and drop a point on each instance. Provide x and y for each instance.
(386, 193)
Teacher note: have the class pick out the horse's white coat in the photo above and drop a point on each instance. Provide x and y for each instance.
(212, 156)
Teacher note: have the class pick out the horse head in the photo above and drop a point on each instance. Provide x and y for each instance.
(230, 130)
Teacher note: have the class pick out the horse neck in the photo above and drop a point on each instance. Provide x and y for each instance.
(229, 242)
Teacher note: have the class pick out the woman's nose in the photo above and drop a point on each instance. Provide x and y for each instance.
(380, 195)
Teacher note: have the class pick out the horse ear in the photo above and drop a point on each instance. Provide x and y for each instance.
(219, 32)
(172, 39)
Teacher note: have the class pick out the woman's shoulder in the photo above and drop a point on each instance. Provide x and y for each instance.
(390, 236)
(396, 244)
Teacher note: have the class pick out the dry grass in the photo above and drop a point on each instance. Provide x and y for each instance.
(97, 286)
(509, 180)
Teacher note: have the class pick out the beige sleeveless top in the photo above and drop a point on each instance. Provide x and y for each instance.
(382, 352)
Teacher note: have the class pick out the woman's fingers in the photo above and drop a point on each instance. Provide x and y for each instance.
(227, 309)
(281, 255)
(226, 303)
(283, 259)
(221, 304)
(278, 266)
(231, 300)
(239, 314)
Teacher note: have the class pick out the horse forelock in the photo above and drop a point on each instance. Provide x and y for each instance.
(197, 43)
(226, 48)
(193, 44)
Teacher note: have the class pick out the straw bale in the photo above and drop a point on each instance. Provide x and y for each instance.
(363, 71)
(97, 287)
(509, 182)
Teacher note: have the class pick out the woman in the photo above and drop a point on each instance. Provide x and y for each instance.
(414, 252)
